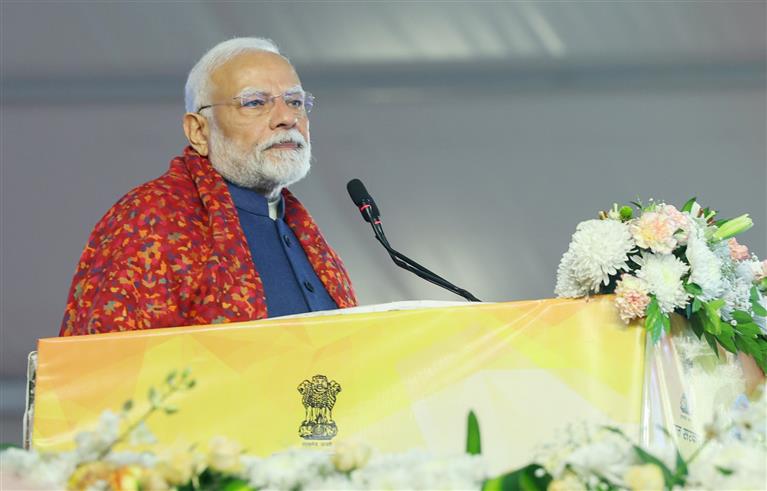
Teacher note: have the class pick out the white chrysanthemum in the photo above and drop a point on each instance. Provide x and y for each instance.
(749, 269)
(744, 467)
(567, 283)
(737, 296)
(91, 444)
(663, 274)
(599, 249)
(35, 470)
(609, 456)
(705, 267)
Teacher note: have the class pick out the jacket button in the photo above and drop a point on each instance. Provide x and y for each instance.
(309, 286)
(286, 239)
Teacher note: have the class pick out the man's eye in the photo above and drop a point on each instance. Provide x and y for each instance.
(295, 103)
(257, 102)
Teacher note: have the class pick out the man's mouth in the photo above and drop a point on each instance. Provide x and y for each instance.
(285, 146)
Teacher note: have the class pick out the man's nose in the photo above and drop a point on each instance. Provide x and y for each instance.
(282, 115)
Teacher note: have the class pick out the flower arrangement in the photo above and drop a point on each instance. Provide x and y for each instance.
(664, 260)
(95, 465)
(732, 456)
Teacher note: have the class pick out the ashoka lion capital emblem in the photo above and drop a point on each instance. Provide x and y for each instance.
(318, 397)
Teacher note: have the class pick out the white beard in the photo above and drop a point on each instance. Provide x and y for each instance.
(266, 171)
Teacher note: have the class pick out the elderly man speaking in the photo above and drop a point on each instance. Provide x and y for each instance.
(218, 237)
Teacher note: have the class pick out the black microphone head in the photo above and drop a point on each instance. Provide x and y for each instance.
(357, 192)
(361, 198)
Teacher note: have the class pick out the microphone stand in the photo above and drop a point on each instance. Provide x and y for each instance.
(408, 264)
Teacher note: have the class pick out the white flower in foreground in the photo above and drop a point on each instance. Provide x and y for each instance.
(609, 456)
(732, 465)
(224, 454)
(417, 469)
(599, 249)
(350, 455)
(292, 469)
(663, 274)
(705, 268)
(35, 470)
(647, 477)
(91, 444)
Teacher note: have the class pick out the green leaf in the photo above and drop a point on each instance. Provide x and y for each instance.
(688, 206)
(741, 317)
(756, 306)
(170, 409)
(712, 321)
(668, 477)
(754, 347)
(726, 338)
(681, 469)
(473, 440)
(696, 305)
(529, 478)
(171, 377)
(696, 324)
(127, 405)
(235, 484)
(749, 329)
(693, 288)
(154, 397)
(711, 340)
(724, 470)
(656, 321)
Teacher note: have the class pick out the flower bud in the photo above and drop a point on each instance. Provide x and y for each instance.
(733, 227)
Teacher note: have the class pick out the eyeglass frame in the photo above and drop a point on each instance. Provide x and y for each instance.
(271, 98)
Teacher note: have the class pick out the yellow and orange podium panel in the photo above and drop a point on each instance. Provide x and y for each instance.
(396, 380)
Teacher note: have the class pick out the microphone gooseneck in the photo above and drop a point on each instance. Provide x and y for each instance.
(372, 215)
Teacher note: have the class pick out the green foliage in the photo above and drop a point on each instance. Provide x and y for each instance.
(688, 206)
(743, 336)
(157, 402)
(693, 288)
(756, 306)
(473, 440)
(529, 478)
(211, 480)
(671, 477)
(656, 321)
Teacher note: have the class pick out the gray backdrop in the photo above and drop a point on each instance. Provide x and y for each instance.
(485, 133)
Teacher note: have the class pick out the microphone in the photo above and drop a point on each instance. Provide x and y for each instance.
(363, 200)
(372, 215)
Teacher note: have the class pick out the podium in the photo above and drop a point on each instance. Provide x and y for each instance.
(396, 379)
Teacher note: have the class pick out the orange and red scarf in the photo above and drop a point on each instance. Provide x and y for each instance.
(172, 253)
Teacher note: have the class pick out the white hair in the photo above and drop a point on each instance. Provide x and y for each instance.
(197, 87)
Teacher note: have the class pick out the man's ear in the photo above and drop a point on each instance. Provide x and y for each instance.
(197, 131)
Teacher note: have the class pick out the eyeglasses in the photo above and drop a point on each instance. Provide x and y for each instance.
(261, 103)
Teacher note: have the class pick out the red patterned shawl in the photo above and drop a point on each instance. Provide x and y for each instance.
(172, 253)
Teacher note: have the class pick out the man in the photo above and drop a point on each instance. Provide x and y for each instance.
(218, 237)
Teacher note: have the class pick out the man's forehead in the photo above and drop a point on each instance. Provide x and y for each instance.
(259, 70)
